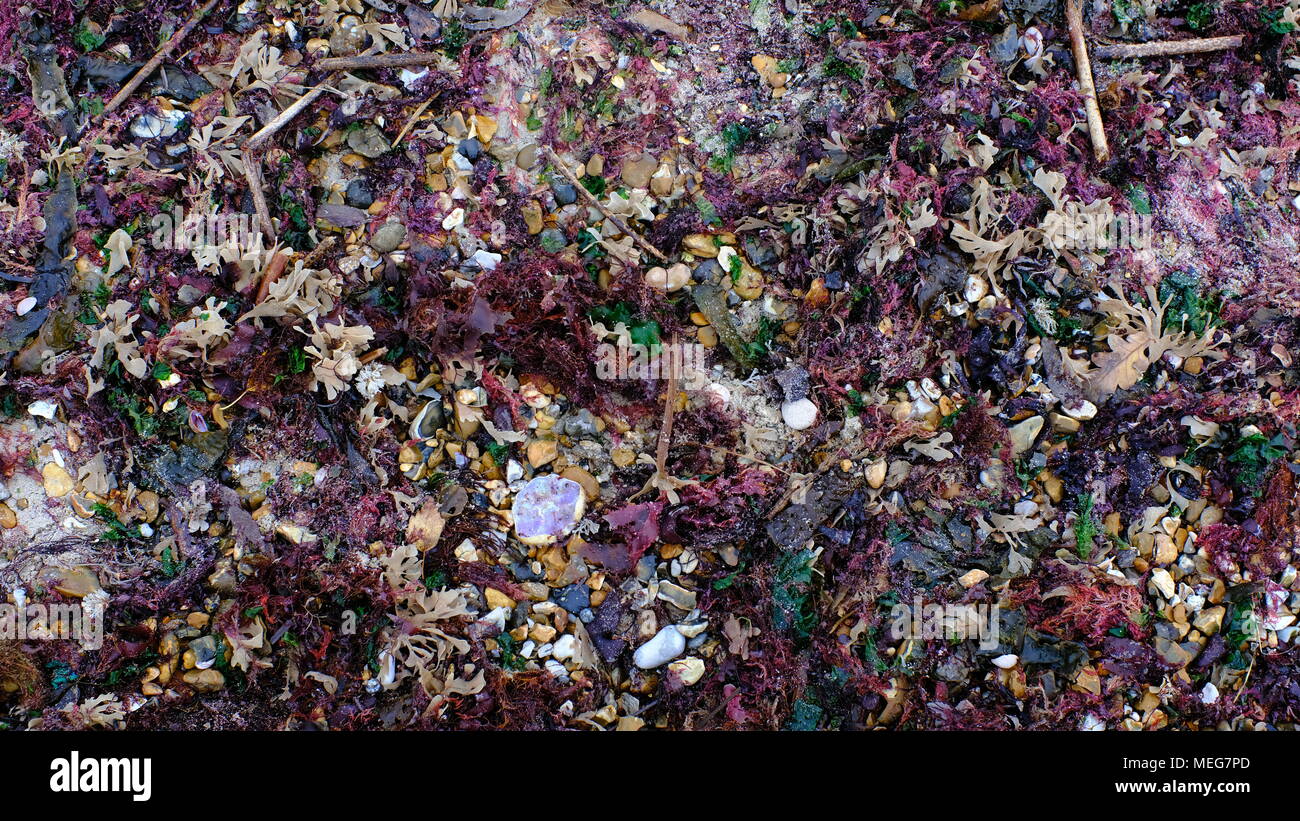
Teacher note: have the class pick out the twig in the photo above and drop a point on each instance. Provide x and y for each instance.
(666, 429)
(160, 55)
(411, 122)
(1074, 18)
(282, 119)
(587, 195)
(253, 173)
(316, 254)
(1164, 48)
(413, 58)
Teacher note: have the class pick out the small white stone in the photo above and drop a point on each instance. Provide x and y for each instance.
(1080, 409)
(1163, 582)
(666, 645)
(1209, 693)
(799, 415)
(43, 408)
(565, 647)
(26, 306)
(454, 220)
(975, 288)
(1007, 661)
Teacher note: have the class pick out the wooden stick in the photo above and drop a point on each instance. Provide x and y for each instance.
(282, 119)
(412, 58)
(587, 195)
(253, 174)
(1165, 48)
(162, 54)
(1074, 18)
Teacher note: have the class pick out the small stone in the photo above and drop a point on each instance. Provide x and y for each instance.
(565, 647)
(542, 633)
(700, 245)
(876, 473)
(1024, 433)
(1166, 550)
(388, 237)
(834, 280)
(688, 670)
(590, 486)
(495, 598)
(77, 582)
(671, 279)
(677, 596)
(1081, 409)
(565, 193)
(205, 681)
(973, 577)
(1175, 654)
(369, 141)
(575, 598)
(58, 482)
(707, 337)
(469, 149)
(1210, 620)
(8, 519)
(204, 650)
(1064, 424)
(666, 645)
(622, 457)
(799, 415)
(532, 214)
(542, 452)
(1006, 661)
(637, 170)
(358, 194)
(1163, 582)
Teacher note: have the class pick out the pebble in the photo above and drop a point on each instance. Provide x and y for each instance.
(1163, 582)
(670, 279)
(637, 170)
(677, 596)
(542, 452)
(565, 193)
(565, 648)
(1081, 409)
(388, 237)
(205, 681)
(575, 598)
(1006, 661)
(1024, 433)
(358, 194)
(8, 519)
(57, 480)
(470, 149)
(368, 141)
(666, 645)
(688, 670)
(799, 415)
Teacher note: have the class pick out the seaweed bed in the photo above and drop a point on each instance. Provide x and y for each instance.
(276, 388)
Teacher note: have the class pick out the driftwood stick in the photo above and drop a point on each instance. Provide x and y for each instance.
(1074, 18)
(622, 226)
(148, 68)
(267, 131)
(1166, 48)
(253, 173)
(413, 58)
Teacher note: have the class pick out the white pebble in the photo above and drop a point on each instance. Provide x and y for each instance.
(26, 306)
(666, 645)
(799, 415)
(1007, 661)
